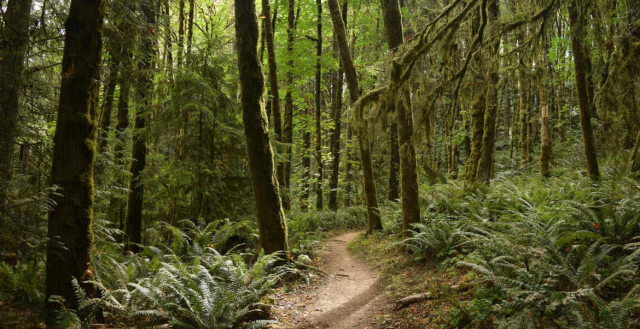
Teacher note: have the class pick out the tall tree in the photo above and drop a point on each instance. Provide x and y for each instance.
(492, 60)
(371, 194)
(69, 226)
(338, 82)
(273, 81)
(271, 221)
(288, 107)
(318, 106)
(14, 40)
(404, 116)
(110, 89)
(133, 220)
(545, 126)
(576, 24)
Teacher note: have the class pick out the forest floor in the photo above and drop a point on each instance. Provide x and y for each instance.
(346, 296)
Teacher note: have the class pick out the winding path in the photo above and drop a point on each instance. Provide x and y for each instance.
(350, 294)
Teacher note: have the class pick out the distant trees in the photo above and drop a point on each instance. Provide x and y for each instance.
(14, 42)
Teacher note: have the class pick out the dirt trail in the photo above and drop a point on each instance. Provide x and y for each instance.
(350, 294)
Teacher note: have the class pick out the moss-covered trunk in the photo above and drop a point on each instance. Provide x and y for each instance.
(274, 98)
(288, 109)
(69, 226)
(133, 220)
(400, 93)
(545, 126)
(576, 24)
(491, 106)
(271, 221)
(371, 194)
(14, 40)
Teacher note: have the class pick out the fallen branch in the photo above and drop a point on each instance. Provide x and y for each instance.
(404, 302)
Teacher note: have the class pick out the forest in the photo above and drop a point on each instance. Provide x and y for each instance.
(319, 164)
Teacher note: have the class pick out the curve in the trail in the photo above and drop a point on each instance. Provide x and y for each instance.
(351, 293)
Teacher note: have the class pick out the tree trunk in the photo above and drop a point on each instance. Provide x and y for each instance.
(69, 226)
(107, 107)
(477, 126)
(288, 110)
(491, 106)
(394, 162)
(118, 206)
(404, 116)
(273, 82)
(190, 29)
(271, 221)
(180, 32)
(318, 99)
(13, 47)
(133, 220)
(545, 127)
(371, 193)
(337, 121)
(576, 24)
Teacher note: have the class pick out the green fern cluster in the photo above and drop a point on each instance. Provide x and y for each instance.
(562, 253)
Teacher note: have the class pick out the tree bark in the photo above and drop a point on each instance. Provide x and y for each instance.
(576, 24)
(69, 226)
(112, 82)
(273, 82)
(404, 116)
(14, 41)
(180, 32)
(371, 193)
(491, 106)
(190, 29)
(288, 109)
(318, 99)
(133, 220)
(271, 221)
(545, 126)
(337, 121)
(394, 162)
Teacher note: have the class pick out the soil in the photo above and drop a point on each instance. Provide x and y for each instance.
(347, 297)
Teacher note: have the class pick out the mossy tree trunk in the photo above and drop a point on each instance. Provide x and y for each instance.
(491, 106)
(69, 226)
(400, 94)
(371, 194)
(274, 98)
(576, 25)
(133, 220)
(288, 109)
(545, 126)
(271, 221)
(14, 40)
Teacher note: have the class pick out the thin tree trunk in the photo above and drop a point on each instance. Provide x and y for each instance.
(318, 99)
(545, 127)
(271, 221)
(371, 193)
(118, 206)
(14, 42)
(180, 32)
(69, 225)
(133, 220)
(576, 24)
(107, 107)
(273, 81)
(337, 122)
(394, 163)
(190, 29)
(288, 109)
